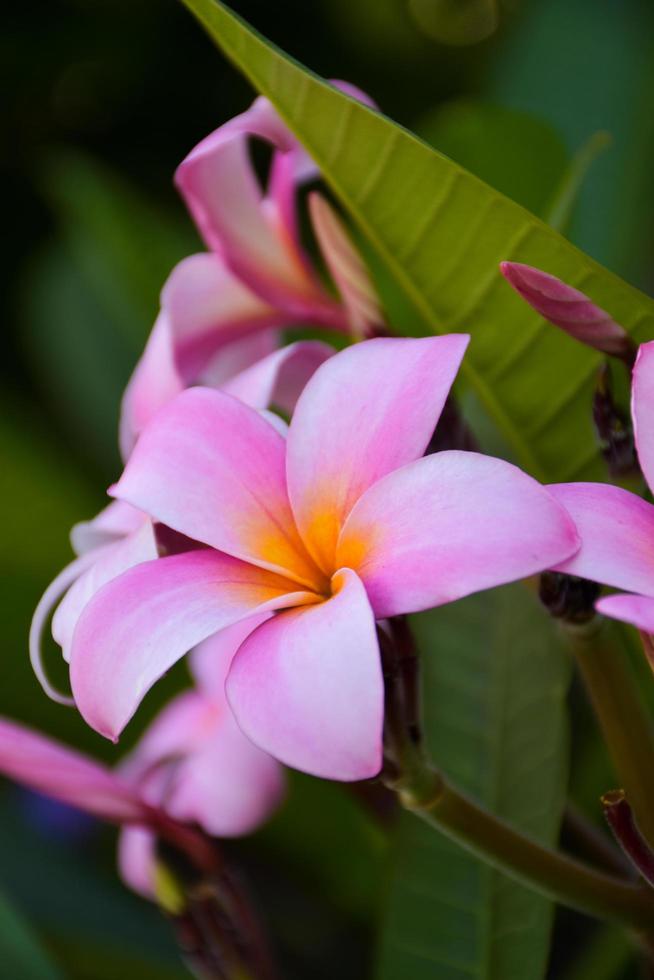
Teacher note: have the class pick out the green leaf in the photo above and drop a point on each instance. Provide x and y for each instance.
(442, 232)
(21, 955)
(495, 686)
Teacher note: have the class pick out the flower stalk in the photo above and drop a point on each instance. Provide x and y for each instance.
(624, 828)
(424, 791)
(625, 724)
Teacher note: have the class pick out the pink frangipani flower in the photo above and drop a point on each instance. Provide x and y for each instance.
(617, 527)
(338, 525)
(121, 536)
(569, 309)
(222, 310)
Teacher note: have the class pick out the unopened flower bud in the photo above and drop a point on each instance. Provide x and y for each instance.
(348, 270)
(569, 309)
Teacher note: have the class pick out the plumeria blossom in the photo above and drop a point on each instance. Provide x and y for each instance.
(617, 527)
(569, 309)
(222, 310)
(121, 536)
(193, 766)
(340, 524)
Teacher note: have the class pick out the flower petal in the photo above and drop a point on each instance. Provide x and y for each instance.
(638, 610)
(307, 686)
(112, 561)
(448, 525)
(114, 522)
(279, 378)
(368, 410)
(221, 190)
(211, 659)
(206, 312)
(642, 409)
(617, 535)
(139, 624)
(51, 768)
(137, 859)
(212, 468)
(567, 308)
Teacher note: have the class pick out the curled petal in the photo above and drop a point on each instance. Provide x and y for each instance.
(642, 409)
(57, 588)
(617, 535)
(279, 378)
(212, 468)
(568, 308)
(66, 775)
(116, 558)
(448, 525)
(307, 686)
(115, 521)
(139, 624)
(366, 411)
(638, 610)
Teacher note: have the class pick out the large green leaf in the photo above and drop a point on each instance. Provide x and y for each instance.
(442, 233)
(20, 953)
(495, 687)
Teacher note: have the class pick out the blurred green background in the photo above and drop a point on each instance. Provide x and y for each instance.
(105, 98)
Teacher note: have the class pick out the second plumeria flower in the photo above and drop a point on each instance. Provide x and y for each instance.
(341, 524)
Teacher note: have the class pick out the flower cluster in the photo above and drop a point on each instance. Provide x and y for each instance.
(274, 552)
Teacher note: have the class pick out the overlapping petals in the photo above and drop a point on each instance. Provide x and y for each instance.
(364, 528)
(617, 527)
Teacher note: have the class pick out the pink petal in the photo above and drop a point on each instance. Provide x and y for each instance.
(368, 410)
(212, 468)
(307, 686)
(617, 535)
(638, 610)
(139, 624)
(209, 772)
(642, 409)
(222, 193)
(448, 525)
(115, 521)
(137, 859)
(114, 559)
(206, 312)
(567, 308)
(57, 588)
(51, 768)
(279, 378)
(211, 660)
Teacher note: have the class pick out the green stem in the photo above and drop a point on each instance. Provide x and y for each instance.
(625, 724)
(561, 878)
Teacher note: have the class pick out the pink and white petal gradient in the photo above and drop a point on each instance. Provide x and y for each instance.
(280, 378)
(448, 525)
(139, 624)
(375, 407)
(213, 468)
(617, 534)
(637, 610)
(58, 771)
(114, 522)
(307, 686)
(137, 547)
(642, 409)
(137, 860)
